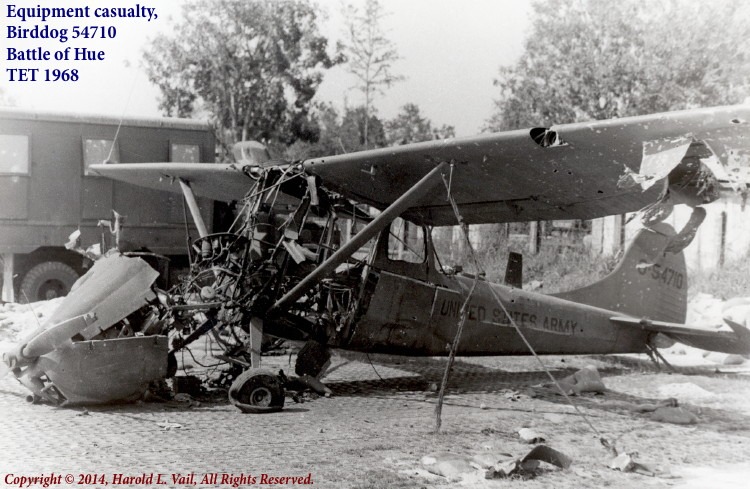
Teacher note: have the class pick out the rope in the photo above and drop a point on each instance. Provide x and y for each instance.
(122, 117)
(463, 313)
(373, 367)
(507, 314)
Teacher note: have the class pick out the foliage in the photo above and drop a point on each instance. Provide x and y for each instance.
(361, 129)
(727, 282)
(559, 266)
(339, 134)
(588, 59)
(410, 127)
(347, 133)
(252, 65)
(370, 55)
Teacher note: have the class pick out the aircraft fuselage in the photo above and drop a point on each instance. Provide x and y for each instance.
(411, 317)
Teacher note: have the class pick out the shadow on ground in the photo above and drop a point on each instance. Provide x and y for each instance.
(467, 377)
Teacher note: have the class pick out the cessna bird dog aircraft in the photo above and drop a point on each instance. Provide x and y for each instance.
(284, 269)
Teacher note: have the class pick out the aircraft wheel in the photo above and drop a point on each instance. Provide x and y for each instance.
(47, 280)
(257, 391)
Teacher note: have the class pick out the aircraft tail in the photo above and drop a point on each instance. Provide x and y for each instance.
(647, 283)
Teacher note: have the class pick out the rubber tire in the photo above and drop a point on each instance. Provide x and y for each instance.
(46, 279)
(257, 391)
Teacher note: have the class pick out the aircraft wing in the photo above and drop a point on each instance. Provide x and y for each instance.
(225, 182)
(573, 171)
(737, 341)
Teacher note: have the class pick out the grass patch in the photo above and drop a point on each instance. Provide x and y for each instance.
(732, 280)
(557, 266)
(561, 266)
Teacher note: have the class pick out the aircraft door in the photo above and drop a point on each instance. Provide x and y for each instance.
(399, 311)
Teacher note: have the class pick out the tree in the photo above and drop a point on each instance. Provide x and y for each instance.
(587, 59)
(362, 129)
(252, 65)
(339, 135)
(370, 55)
(410, 127)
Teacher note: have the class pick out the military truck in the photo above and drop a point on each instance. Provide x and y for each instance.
(47, 193)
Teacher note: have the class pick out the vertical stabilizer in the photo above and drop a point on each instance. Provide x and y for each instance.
(647, 282)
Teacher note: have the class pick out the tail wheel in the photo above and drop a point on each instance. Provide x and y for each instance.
(257, 391)
(47, 280)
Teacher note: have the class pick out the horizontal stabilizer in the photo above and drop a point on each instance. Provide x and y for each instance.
(736, 342)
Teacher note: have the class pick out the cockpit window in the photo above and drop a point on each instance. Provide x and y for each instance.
(406, 242)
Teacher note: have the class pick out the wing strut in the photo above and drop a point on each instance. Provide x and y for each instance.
(193, 206)
(384, 219)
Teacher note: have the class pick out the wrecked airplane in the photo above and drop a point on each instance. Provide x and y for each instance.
(286, 269)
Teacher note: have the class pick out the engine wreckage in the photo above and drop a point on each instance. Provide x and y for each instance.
(305, 261)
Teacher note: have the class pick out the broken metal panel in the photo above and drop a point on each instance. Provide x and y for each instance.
(686, 235)
(734, 157)
(57, 366)
(102, 371)
(114, 287)
(659, 159)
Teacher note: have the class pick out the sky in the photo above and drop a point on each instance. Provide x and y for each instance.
(450, 52)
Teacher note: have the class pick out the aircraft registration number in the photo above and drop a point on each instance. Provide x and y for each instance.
(665, 275)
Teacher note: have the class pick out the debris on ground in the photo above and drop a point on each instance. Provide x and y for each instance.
(675, 415)
(625, 462)
(84, 352)
(723, 358)
(449, 465)
(733, 359)
(528, 435)
(649, 407)
(512, 395)
(639, 407)
(184, 400)
(528, 466)
(586, 379)
(456, 467)
(168, 426)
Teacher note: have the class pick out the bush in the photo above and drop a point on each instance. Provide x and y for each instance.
(732, 280)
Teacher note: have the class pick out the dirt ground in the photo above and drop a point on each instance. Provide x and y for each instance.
(375, 430)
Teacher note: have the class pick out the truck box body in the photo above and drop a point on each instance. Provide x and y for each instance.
(46, 192)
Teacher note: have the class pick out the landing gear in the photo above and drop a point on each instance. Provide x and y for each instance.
(257, 391)
(656, 356)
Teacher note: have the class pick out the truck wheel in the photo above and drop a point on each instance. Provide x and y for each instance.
(257, 391)
(47, 281)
